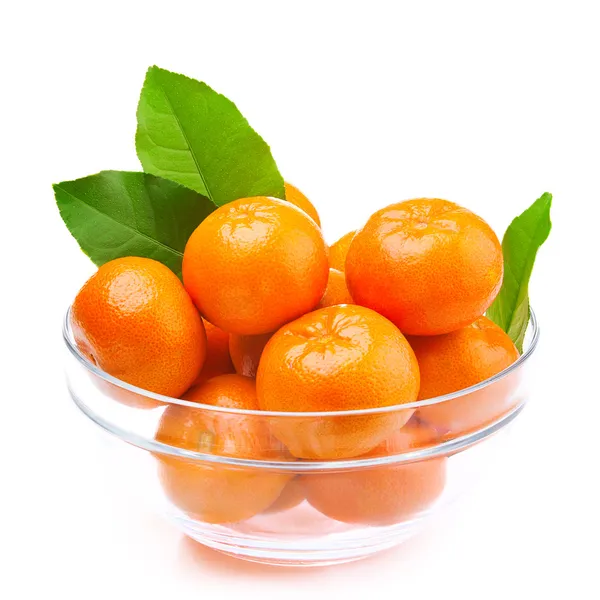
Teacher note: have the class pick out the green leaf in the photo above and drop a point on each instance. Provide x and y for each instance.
(522, 240)
(189, 133)
(117, 213)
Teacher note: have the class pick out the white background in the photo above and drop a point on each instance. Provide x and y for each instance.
(363, 104)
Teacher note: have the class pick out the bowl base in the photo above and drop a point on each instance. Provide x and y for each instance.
(330, 546)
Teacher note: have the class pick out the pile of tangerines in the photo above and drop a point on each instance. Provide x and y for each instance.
(269, 318)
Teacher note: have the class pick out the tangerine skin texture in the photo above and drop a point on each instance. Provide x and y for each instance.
(246, 350)
(211, 492)
(218, 361)
(381, 495)
(428, 265)
(339, 250)
(458, 360)
(255, 264)
(336, 291)
(337, 358)
(134, 319)
(297, 198)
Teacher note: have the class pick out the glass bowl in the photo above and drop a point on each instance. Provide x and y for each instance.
(231, 484)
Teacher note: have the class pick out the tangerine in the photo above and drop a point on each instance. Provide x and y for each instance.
(297, 198)
(218, 361)
(339, 250)
(381, 495)
(246, 350)
(134, 320)
(428, 265)
(339, 358)
(254, 264)
(455, 361)
(336, 291)
(213, 492)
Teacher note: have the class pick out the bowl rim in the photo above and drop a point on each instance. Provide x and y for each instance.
(297, 466)
(85, 362)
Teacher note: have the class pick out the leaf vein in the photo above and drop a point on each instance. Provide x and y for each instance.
(187, 141)
(141, 234)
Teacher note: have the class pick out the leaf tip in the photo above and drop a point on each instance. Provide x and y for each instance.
(152, 69)
(57, 188)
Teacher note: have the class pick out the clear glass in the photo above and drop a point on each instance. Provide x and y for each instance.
(366, 480)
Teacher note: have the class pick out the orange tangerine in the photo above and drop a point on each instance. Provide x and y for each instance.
(339, 250)
(336, 291)
(209, 491)
(339, 358)
(218, 361)
(381, 495)
(297, 198)
(428, 265)
(246, 350)
(455, 361)
(254, 264)
(134, 320)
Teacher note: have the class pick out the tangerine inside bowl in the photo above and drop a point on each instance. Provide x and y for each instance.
(223, 477)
